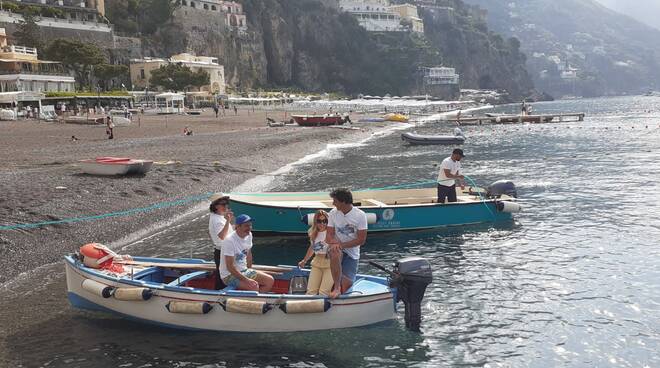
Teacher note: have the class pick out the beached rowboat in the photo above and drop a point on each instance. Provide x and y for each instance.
(318, 120)
(421, 139)
(387, 210)
(180, 293)
(108, 166)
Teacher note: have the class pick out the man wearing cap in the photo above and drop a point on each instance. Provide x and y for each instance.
(219, 228)
(450, 170)
(236, 262)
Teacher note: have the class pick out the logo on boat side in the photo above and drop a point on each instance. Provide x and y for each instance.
(388, 214)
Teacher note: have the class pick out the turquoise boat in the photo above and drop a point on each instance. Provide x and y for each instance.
(387, 210)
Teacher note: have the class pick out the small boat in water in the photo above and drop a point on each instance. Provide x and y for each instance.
(387, 209)
(108, 166)
(421, 139)
(318, 120)
(180, 293)
(396, 117)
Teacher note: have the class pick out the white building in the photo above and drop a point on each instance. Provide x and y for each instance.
(231, 11)
(141, 70)
(440, 75)
(380, 16)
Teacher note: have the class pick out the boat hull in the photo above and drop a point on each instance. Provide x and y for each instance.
(114, 166)
(279, 217)
(417, 139)
(317, 120)
(346, 311)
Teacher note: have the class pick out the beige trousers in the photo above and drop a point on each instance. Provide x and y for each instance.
(320, 278)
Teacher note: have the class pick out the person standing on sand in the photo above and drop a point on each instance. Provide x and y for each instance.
(235, 110)
(110, 127)
(216, 110)
(346, 233)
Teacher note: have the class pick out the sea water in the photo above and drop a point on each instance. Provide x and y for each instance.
(573, 281)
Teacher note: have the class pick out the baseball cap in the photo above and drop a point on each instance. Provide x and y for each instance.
(241, 219)
(458, 151)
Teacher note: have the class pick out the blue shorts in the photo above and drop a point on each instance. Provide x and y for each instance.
(232, 281)
(349, 267)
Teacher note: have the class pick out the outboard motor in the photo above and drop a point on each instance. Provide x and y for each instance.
(500, 187)
(410, 276)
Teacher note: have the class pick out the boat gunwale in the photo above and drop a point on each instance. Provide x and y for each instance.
(86, 272)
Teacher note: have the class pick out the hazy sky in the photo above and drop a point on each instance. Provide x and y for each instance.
(647, 11)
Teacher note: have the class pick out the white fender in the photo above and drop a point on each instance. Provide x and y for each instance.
(306, 306)
(97, 288)
(188, 307)
(132, 294)
(507, 206)
(235, 305)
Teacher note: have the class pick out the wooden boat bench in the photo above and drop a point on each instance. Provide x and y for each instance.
(181, 280)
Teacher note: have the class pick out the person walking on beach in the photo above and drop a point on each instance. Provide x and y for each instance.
(347, 231)
(110, 127)
(236, 261)
(219, 228)
(450, 170)
(320, 278)
(235, 110)
(216, 110)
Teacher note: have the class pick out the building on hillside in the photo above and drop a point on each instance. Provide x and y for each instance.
(230, 11)
(22, 71)
(408, 13)
(441, 82)
(141, 69)
(76, 10)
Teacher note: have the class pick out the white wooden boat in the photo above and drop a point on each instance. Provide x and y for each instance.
(180, 293)
(108, 166)
(421, 139)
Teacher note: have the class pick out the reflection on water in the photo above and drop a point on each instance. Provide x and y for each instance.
(574, 281)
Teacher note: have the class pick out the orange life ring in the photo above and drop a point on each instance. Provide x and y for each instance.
(98, 256)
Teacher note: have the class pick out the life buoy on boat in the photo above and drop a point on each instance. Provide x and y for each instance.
(235, 305)
(97, 288)
(188, 307)
(133, 294)
(306, 306)
(308, 219)
(98, 256)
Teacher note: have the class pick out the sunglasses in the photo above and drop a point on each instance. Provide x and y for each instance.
(321, 221)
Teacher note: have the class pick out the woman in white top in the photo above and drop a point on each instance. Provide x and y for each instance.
(320, 278)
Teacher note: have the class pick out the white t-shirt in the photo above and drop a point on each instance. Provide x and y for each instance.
(216, 224)
(237, 247)
(346, 227)
(454, 168)
(320, 246)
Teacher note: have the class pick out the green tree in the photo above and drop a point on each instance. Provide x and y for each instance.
(28, 32)
(177, 77)
(80, 57)
(105, 73)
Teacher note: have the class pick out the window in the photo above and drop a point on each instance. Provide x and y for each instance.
(192, 4)
(213, 8)
(141, 73)
(206, 6)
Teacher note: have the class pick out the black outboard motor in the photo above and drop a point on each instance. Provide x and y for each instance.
(500, 187)
(411, 276)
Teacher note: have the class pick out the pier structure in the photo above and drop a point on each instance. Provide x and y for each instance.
(513, 119)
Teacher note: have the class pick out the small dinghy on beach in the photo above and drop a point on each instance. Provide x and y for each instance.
(421, 139)
(109, 166)
(180, 293)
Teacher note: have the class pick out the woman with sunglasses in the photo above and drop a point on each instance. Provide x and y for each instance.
(219, 229)
(320, 278)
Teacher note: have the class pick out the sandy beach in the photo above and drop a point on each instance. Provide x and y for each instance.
(41, 182)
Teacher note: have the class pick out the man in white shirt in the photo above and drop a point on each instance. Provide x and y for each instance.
(219, 228)
(347, 231)
(236, 263)
(450, 170)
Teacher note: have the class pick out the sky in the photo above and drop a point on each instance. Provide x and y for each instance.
(647, 11)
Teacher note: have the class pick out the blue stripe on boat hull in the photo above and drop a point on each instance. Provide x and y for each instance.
(286, 220)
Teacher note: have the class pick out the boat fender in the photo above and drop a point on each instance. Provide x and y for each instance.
(98, 288)
(131, 294)
(508, 207)
(306, 306)
(188, 307)
(308, 219)
(234, 305)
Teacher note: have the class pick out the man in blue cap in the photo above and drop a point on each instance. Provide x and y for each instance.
(236, 262)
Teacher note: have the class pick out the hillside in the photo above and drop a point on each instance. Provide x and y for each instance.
(579, 47)
(302, 44)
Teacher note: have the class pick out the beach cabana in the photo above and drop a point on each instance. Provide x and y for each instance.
(19, 99)
(169, 103)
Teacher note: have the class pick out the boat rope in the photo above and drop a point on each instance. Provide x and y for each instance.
(129, 212)
(483, 200)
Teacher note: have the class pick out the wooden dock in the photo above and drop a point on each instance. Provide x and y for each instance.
(513, 119)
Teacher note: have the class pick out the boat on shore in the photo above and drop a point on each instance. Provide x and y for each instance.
(387, 210)
(396, 117)
(95, 120)
(318, 120)
(422, 139)
(109, 166)
(180, 293)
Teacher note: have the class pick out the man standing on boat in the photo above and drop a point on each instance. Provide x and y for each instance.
(346, 232)
(236, 262)
(219, 228)
(450, 170)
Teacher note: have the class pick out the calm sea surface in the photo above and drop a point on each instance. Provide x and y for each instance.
(574, 281)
